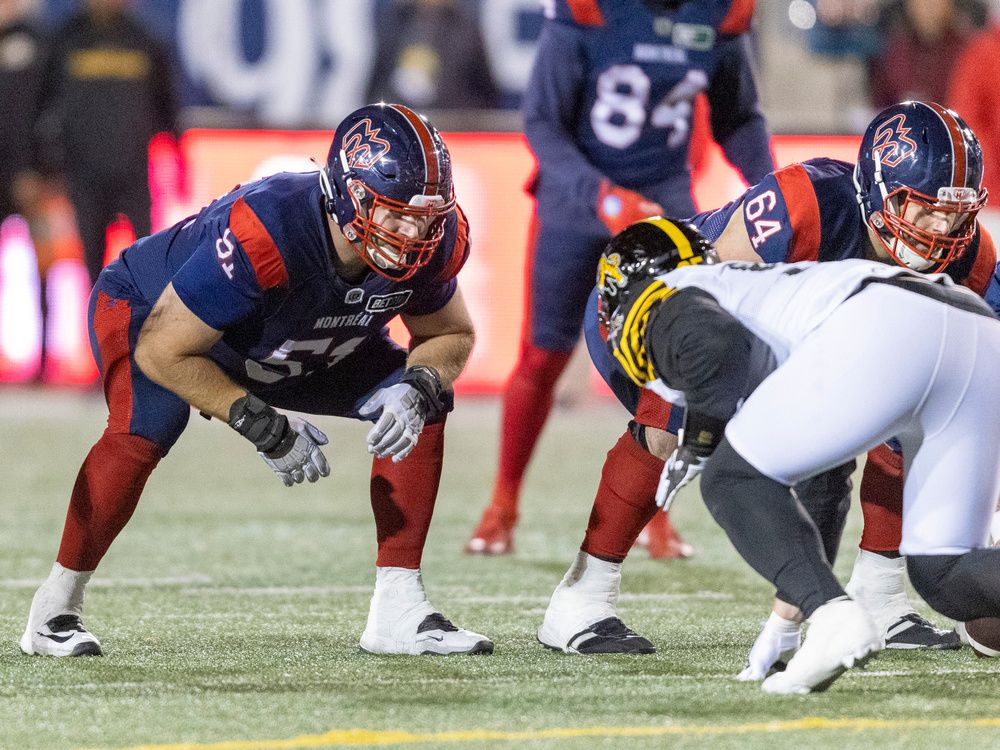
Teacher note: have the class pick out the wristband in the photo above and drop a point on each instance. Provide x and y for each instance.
(426, 381)
(259, 423)
(702, 433)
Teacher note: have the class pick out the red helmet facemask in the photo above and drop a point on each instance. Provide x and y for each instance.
(921, 249)
(390, 253)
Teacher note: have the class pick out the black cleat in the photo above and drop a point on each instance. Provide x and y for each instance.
(913, 631)
(607, 636)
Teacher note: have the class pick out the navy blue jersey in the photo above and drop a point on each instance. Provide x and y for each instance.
(809, 211)
(612, 87)
(256, 264)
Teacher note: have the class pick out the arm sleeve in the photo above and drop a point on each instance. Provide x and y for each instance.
(551, 104)
(737, 123)
(700, 349)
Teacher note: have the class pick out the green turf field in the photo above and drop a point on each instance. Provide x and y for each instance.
(230, 610)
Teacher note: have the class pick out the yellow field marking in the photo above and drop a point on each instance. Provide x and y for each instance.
(373, 737)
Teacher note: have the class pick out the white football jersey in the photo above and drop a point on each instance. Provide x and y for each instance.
(781, 303)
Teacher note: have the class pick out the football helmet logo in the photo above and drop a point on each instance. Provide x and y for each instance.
(891, 144)
(362, 145)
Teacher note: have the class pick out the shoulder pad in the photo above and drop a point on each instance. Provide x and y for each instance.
(455, 245)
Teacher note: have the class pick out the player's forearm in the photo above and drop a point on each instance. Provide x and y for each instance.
(448, 354)
(194, 378)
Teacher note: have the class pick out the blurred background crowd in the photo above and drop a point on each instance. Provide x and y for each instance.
(89, 167)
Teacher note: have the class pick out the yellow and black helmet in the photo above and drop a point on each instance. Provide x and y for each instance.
(628, 289)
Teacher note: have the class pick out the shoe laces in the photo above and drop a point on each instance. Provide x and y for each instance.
(63, 623)
(436, 621)
(612, 627)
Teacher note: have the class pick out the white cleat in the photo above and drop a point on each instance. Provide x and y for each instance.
(841, 635)
(402, 621)
(582, 616)
(54, 626)
(63, 635)
(435, 634)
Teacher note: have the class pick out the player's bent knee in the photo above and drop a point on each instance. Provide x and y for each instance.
(723, 475)
(963, 587)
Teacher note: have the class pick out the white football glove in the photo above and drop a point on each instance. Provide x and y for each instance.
(299, 458)
(679, 470)
(403, 412)
(778, 641)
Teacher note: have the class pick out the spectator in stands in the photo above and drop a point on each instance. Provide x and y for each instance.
(106, 90)
(921, 42)
(21, 50)
(430, 54)
(972, 93)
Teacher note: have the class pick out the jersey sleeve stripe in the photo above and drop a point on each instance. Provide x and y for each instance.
(803, 212)
(423, 134)
(737, 19)
(958, 169)
(259, 246)
(460, 252)
(984, 266)
(586, 12)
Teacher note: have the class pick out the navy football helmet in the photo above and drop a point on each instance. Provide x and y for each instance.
(919, 183)
(627, 288)
(388, 162)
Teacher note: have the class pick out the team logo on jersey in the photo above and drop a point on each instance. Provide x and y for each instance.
(354, 296)
(891, 144)
(382, 302)
(362, 145)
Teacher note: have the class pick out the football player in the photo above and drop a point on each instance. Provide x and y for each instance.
(759, 353)
(278, 295)
(917, 183)
(608, 115)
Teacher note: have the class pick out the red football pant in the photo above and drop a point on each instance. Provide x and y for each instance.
(527, 401)
(104, 497)
(882, 501)
(403, 496)
(625, 500)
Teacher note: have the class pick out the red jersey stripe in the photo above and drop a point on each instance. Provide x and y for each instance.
(586, 12)
(986, 262)
(737, 19)
(803, 212)
(112, 318)
(267, 262)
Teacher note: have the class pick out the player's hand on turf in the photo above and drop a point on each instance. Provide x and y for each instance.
(298, 457)
(618, 207)
(679, 470)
